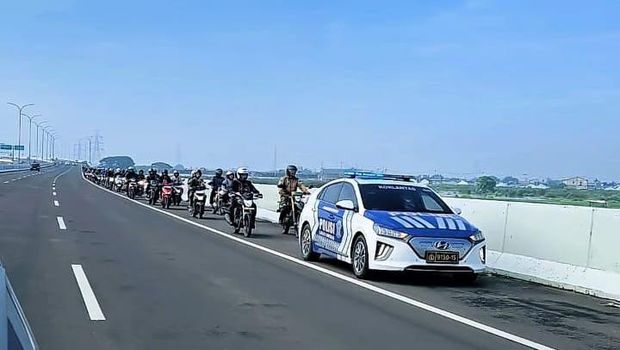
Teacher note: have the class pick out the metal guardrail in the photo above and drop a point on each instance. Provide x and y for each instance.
(15, 332)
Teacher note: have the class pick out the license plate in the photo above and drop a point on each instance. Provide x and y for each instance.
(442, 257)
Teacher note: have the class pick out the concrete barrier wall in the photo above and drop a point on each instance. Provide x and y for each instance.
(563, 246)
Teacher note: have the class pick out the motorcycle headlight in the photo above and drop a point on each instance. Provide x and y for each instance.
(476, 237)
(384, 231)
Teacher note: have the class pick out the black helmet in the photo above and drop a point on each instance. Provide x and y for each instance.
(291, 170)
(165, 172)
(219, 172)
(141, 172)
(198, 173)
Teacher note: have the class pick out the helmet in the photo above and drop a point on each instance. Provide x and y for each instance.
(219, 172)
(243, 173)
(230, 173)
(165, 172)
(291, 170)
(140, 171)
(118, 170)
(198, 173)
(175, 173)
(131, 169)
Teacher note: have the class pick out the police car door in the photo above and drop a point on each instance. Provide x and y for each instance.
(329, 225)
(346, 218)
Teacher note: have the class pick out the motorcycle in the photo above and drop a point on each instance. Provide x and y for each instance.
(200, 198)
(151, 191)
(178, 193)
(220, 203)
(244, 212)
(110, 183)
(141, 188)
(132, 186)
(166, 194)
(296, 205)
(118, 183)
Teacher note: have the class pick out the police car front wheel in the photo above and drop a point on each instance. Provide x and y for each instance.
(305, 242)
(360, 258)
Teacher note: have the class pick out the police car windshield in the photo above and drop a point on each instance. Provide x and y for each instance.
(402, 198)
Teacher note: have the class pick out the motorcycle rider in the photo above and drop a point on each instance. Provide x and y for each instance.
(154, 177)
(109, 174)
(140, 175)
(215, 183)
(176, 178)
(165, 178)
(241, 185)
(194, 182)
(288, 185)
(131, 174)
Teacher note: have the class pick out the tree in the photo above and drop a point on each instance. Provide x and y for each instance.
(486, 184)
(511, 181)
(122, 162)
(161, 166)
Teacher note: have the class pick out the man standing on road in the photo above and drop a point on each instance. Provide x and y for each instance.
(288, 185)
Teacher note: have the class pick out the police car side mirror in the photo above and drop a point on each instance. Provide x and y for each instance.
(346, 205)
(457, 211)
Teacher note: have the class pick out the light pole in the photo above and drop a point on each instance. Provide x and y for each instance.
(30, 119)
(19, 132)
(43, 142)
(37, 148)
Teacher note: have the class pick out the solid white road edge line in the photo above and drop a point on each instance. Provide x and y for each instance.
(61, 223)
(56, 204)
(351, 280)
(90, 300)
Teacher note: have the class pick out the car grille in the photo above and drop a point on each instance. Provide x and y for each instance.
(421, 245)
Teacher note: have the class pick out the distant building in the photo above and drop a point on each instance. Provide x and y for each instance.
(577, 182)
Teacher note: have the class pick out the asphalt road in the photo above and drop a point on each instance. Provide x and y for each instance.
(159, 282)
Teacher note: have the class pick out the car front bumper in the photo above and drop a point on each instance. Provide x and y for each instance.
(403, 258)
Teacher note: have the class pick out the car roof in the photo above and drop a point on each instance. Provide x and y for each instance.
(370, 181)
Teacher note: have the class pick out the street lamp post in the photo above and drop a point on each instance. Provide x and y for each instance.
(30, 119)
(41, 124)
(19, 132)
(43, 141)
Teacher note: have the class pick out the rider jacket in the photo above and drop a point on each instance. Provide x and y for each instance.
(289, 184)
(131, 175)
(216, 182)
(165, 179)
(176, 180)
(243, 186)
(194, 182)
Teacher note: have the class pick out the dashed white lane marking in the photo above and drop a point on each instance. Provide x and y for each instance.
(6, 182)
(13, 179)
(61, 223)
(90, 300)
(56, 204)
(53, 193)
(53, 188)
(412, 302)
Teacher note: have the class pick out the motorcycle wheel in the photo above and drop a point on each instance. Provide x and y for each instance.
(247, 226)
(167, 204)
(202, 211)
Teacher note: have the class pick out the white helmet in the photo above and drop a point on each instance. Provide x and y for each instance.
(243, 173)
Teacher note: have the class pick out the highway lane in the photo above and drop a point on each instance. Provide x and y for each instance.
(163, 283)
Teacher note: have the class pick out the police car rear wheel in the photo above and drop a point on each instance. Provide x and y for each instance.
(360, 258)
(306, 245)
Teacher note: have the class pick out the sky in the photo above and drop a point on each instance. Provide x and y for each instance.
(525, 88)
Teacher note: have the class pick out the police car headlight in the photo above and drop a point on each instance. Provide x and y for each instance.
(476, 237)
(383, 231)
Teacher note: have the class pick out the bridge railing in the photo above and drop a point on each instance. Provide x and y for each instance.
(15, 332)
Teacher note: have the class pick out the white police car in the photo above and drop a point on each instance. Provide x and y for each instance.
(387, 222)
